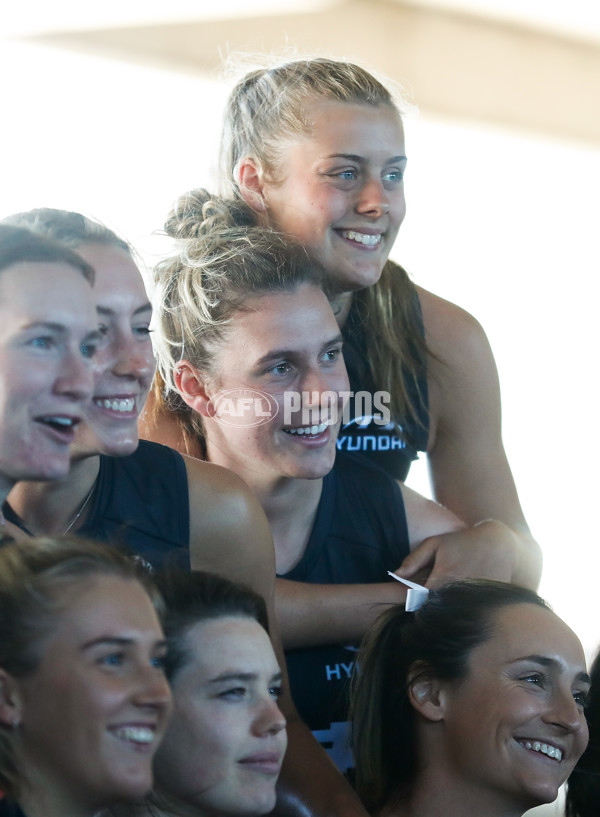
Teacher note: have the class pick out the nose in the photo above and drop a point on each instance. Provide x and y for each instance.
(373, 199)
(152, 688)
(269, 718)
(75, 378)
(565, 713)
(127, 356)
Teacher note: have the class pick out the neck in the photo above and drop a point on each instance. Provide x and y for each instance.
(434, 795)
(50, 507)
(50, 803)
(290, 505)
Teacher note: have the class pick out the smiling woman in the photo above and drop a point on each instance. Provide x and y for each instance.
(473, 704)
(83, 696)
(224, 746)
(47, 337)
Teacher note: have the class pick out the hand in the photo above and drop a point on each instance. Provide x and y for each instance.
(488, 550)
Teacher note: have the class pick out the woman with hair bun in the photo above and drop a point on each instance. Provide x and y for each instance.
(250, 351)
(472, 704)
(84, 700)
(316, 148)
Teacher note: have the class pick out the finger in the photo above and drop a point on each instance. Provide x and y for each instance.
(420, 558)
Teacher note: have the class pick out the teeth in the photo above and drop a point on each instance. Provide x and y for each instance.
(124, 405)
(544, 748)
(362, 238)
(137, 734)
(59, 421)
(311, 430)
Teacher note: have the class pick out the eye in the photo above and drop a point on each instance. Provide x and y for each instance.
(534, 678)
(159, 661)
(42, 342)
(332, 355)
(112, 659)
(393, 177)
(280, 369)
(233, 694)
(88, 350)
(276, 691)
(142, 332)
(581, 698)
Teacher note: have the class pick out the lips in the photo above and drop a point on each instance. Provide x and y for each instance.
(551, 750)
(62, 425)
(264, 763)
(136, 734)
(116, 404)
(309, 431)
(362, 238)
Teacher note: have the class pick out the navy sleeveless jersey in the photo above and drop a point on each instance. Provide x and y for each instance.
(381, 443)
(360, 533)
(140, 502)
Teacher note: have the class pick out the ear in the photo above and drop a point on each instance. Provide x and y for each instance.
(425, 692)
(192, 388)
(250, 182)
(10, 700)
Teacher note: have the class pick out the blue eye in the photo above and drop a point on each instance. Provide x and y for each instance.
(113, 659)
(280, 369)
(42, 342)
(233, 694)
(331, 355)
(276, 691)
(393, 176)
(88, 350)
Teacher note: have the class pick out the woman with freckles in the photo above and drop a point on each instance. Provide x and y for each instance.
(225, 743)
(316, 148)
(471, 705)
(243, 326)
(84, 700)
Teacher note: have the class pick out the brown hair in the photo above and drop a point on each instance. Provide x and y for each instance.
(18, 245)
(265, 110)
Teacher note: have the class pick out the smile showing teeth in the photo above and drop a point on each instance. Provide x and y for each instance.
(362, 238)
(122, 404)
(67, 422)
(310, 430)
(136, 734)
(544, 748)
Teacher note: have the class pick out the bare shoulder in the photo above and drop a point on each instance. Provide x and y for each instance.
(448, 326)
(229, 533)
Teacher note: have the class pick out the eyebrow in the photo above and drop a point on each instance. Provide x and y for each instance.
(241, 676)
(275, 353)
(103, 310)
(354, 157)
(116, 641)
(545, 661)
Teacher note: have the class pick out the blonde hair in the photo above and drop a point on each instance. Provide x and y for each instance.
(265, 110)
(33, 578)
(220, 259)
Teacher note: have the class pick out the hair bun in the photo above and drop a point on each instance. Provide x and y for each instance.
(198, 213)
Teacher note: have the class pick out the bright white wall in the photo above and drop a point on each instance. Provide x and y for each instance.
(502, 223)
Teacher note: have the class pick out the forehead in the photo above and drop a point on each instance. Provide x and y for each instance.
(116, 272)
(104, 605)
(291, 319)
(229, 644)
(522, 630)
(44, 291)
(341, 127)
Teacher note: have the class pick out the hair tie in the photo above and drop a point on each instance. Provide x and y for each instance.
(416, 595)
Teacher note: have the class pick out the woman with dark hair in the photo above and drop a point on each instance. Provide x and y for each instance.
(47, 337)
(224, 746)
(583, 787)
(83, 696)
(472, 704)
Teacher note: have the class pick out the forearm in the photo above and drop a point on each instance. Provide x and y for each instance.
(310, 784)
(317, 614)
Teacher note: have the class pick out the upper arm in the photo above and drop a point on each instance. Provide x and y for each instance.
(426, 518)
(469, 470)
